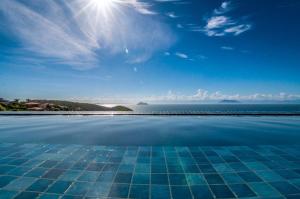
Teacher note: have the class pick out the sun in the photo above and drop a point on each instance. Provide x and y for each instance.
(102, 4)
(102, 8)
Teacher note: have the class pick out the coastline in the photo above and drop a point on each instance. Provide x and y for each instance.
(48, 113)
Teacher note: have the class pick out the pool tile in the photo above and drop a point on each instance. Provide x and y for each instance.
(177, 179)
(53, 173)
(106, 177)
(37, 172)
(99, 189)
(89, 176)
(27, 195)
(232, 178)
(5, 180)
(264, 189)
(213, 179)
(142, 168)
(179, 192)
(222, 168)
(195, 179)
(119, 190)
(70, 175)
(201, 192)
(40, 185)
(79, 188)
(160, 192)
(4, 194)
(221, 191)
(59, 187)
(49, 196)
(175, 168)
(139, 191)
(123, 178)
(207, 168)
(126, 168)
(159, 179)
(285, 188)
(269, 176)
(20, 183)
(242, 190)
(5, 169)
(141, 178)
(288, 174)
(158, 168)
(19, 171)
(249, 176)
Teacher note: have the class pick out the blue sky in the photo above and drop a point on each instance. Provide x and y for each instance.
(159, 50)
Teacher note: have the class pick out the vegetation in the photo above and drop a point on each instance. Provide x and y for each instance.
(55, 105)
(2, 107)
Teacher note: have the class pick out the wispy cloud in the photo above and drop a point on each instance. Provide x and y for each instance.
(225, 7)
(227, 48)
(181, 55)
(171, 15)
(179, 26)
(78, 33)
(219, 24)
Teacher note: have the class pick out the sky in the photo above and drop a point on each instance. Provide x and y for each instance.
(122, 51)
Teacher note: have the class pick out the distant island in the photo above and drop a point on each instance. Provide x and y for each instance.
(229, 101)
(54, 105)
(142, 103)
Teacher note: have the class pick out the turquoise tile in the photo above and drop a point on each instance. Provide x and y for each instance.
(141, 178)
(79, 188)
(201, 192)
(264, 190)
(59, 187)
(269, 176)
(5, 194)
(20, 183)
(98, 189)
(179, 192)
(119, 190)
(195, 179)
(70, 175)
(139, 191)
(242, 190)
(232, 178)
(89, 176)
(49, 196)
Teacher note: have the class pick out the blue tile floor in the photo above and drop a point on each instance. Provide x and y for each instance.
(49, 171)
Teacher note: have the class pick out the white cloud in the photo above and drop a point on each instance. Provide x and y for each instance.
(225, 7)
(219, 24)
(171, 15)
(204, 95)
(236, 30)
(167, 54)
(78, 33)
(181, 55)
(227, 48)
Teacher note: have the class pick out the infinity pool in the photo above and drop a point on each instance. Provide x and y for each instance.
(149, 157)
(151, 130)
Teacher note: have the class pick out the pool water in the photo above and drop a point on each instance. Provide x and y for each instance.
(151, 130)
